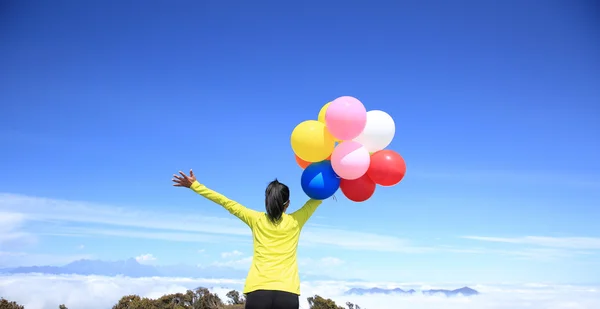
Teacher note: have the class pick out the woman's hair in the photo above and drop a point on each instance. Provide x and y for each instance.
(276, 195)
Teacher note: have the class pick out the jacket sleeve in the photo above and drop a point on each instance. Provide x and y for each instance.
(249, 216)
(303, 214)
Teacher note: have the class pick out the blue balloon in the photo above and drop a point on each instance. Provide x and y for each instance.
(319, 181)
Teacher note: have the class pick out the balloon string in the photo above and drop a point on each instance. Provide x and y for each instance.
(334, 198)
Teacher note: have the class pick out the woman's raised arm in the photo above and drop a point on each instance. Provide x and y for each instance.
(247, 215)
(303, 214)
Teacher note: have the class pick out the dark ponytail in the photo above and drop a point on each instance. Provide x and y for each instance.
(276, 197)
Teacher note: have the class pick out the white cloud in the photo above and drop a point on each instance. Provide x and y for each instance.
(81, 247)
(43, 209)
(201, 250)
(584, 243)
(331, 261)
(354, 240)
(530, 178)
(145, 258)
(10, 221)
(96, 292)
(131, 233)
(318, 264)
(521, 253)
(109, 221)
(11, 230)
(230, 254)
(174, 226)
(242, 263)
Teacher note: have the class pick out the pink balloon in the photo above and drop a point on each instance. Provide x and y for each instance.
(350, 160)
(346, 117)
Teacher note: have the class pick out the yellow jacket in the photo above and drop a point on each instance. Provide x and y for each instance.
(274, 263)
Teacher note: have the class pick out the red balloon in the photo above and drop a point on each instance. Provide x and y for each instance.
(387, 168)
(358, 190)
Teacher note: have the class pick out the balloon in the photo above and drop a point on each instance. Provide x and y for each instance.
(319, 181)
(379, 131)
(358, 190)
(387, 168)
(321, 116)
(345, 118)
(303, 164)
(350, 160)
(322, 112)
(311, 141)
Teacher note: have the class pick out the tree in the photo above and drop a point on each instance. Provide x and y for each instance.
(234, 298)
(177, 301)
(352, 306)
(318, 302)
(62, 307)
(201, 298)
(135, 302)
(5, 304)
(207, 300)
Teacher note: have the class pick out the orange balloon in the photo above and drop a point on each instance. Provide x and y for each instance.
(303, 164)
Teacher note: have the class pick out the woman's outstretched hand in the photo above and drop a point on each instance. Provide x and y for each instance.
(184, 180)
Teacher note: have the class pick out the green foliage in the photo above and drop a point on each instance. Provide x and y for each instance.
(201, 298)
(318, 302)
(5, 304)
(234, 298)
(352, 306)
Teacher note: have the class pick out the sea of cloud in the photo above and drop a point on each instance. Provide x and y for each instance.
(99, 292)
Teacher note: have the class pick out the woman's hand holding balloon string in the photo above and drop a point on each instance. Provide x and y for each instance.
(184, 180)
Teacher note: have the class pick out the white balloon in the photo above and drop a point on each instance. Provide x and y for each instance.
(379, 131)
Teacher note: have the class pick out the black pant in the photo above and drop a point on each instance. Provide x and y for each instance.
(266, 299)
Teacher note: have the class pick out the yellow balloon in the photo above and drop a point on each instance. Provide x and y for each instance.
(322, 112)
(311, 141)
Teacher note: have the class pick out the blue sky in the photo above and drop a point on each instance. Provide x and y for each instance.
(496, 107)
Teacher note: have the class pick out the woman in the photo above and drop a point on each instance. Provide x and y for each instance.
(273, 281)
